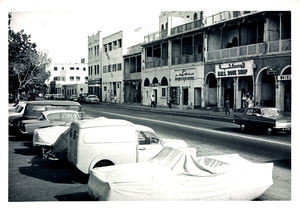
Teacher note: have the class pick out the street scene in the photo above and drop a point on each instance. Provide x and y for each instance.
(180, 106)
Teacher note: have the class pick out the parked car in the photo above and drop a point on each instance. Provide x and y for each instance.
(264, 118)
(109, 142)
(175, 174)
(48, 96)
(33, 110)
(73, 98)
(49, 118)
(82, 97)
(92, 99)
(16, 111)
(146, 136)
(58, 97)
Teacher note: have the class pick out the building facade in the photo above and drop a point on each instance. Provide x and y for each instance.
(112, 68)
(94, 65)
(237, 54)
(67, 79)
(132, 75)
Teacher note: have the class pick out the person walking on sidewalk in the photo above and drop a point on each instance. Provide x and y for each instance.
(227, 106)
(152, 101)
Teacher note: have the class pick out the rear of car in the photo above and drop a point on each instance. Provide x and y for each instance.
(93, 99)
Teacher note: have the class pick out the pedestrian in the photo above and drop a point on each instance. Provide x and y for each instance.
(227, 106)
(115, 99)
(152, 101)
(250, 102)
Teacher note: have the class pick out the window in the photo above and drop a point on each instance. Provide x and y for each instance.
(77, 68)
(163, 92)
(71, 68)
(71, 78)
(109, 66)
(110, 46)
(62, 68)
(115, 44)
(56, 78)
(120, 42)
(95, 69)
(114, 67)
(91, 70)
(98, 68)
(84, 69)
(104, 88)
(63, 79)
(55, 68)
(95, 49)
(105, 47)
(104, 69)
(86, 78)
(77, 78)
(119, 66)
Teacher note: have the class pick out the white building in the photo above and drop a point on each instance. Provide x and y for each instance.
(94, 65)
(67, 79)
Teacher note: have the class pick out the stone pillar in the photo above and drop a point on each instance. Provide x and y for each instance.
(237, 94)
(219, 93)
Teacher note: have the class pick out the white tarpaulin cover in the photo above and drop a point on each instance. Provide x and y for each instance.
(47, 136)
(177, 175)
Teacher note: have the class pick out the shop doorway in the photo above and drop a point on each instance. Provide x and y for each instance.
(197, 98)
(185, 94)
(155, 95)
(267, 89)
(211, 96)
(229, 91)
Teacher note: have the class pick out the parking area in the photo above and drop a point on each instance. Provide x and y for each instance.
(42, 180)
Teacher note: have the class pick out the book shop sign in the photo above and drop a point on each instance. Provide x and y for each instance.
(234, 69)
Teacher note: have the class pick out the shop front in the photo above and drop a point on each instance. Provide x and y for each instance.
(234, 81)
(186, 87)
(94, 88)
(132, 91)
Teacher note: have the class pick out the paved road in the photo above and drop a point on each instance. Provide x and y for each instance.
(33, 179)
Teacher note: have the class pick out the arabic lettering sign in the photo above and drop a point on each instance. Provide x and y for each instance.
(184, 74)
(234, 69)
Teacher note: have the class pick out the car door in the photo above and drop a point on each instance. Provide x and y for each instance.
(147, 149)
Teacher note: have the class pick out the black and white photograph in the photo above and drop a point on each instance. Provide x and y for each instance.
(141, 102)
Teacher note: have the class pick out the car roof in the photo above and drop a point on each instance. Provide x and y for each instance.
(58, 111)
(50, 102)
(101, 122)
(143, 128)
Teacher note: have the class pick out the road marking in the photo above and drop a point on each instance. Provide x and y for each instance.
(203, 129)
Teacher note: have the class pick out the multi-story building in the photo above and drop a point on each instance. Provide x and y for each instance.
(94, 65)
(67, 79)
(132, 75)
(230, 54)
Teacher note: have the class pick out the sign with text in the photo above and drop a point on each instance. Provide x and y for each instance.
(284, 77)
(184, 74)
(234, 69)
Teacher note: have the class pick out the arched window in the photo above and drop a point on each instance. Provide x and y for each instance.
(146, 82)
(164, 81)
(195, 16)
(162, 27)
(155, 80)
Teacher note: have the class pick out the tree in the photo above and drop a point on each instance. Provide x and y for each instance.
(27, 66)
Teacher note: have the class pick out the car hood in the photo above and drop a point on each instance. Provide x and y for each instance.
(174, 143)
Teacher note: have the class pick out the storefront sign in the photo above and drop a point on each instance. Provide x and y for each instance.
(184, 74)
(284, 77)
(234, 69)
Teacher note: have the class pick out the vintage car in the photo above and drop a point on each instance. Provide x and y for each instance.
(175, 174)
(101, 142)
(73, 98)
(49, 118)
(263, 118)
(92, 99)
(17, 111)
(48, 96)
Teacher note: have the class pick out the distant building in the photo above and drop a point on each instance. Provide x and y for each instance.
(94, 65)
(67, 79)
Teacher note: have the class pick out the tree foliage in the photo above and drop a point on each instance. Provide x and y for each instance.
(27, 65)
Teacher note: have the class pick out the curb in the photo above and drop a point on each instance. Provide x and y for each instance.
(176, 113)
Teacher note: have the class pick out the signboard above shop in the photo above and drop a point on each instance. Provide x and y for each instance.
(284, 77)
(184, 74)
(234, 69)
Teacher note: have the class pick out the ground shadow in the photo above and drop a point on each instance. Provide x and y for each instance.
(284, 163)
(54, 171)
(78, 196)
(25, 151)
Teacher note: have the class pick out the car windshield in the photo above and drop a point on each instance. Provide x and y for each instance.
(62, 117)
(270, 112)
(19, 109)
(147, 137)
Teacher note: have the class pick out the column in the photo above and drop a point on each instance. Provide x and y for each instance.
(161, 54)
(219, 93)
(280, 31)
(237, 94)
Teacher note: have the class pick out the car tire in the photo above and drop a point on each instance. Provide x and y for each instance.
(269, 131)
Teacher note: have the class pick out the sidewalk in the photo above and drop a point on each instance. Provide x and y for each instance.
(197, 113)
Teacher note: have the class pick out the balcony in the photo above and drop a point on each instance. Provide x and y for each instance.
(156, 62)
(155, 36)
(186, 27)
(187, 59)
(273, 47)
